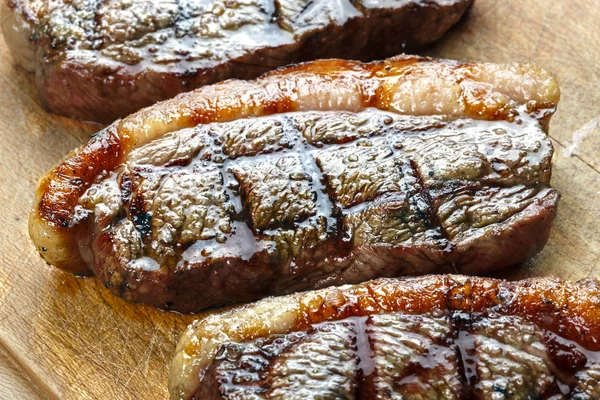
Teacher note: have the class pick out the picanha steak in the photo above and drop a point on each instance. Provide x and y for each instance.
(102, 59)
(432, 337)
(319, 174)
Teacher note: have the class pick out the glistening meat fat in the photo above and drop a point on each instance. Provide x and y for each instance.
(434, 337)
(319, 174)
(99, 60)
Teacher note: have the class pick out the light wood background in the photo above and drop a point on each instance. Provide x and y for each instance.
(64, 337)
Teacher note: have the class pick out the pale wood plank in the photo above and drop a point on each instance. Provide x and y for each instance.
(15, 383)
(77, 341)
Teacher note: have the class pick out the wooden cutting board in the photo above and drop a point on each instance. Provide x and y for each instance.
(72, 339)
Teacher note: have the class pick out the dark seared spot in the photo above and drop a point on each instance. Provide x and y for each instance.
(424, 203)
(143, 223)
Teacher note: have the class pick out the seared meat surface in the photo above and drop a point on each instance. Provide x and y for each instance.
(433, 337)
(323, 174)
(99, 60)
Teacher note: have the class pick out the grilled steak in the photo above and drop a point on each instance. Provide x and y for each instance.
(433, 337)
(321, 174)
(99, 60)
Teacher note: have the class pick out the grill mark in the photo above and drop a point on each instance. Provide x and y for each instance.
(430, 215)
(97, 20)
(366, 361)
(464, 343)
(133, 205)
(325, 205)
(178, 17)
(276, 16)
(229, 186)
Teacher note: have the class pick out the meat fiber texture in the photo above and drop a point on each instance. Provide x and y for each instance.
(100, 60)
(433, 337)
(319, 174)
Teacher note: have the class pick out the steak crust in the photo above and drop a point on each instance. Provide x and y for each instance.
(100, 60)
(320, 174)
(443, 337)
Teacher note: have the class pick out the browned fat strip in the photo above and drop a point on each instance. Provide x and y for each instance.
(59, 191)
(569, 310)
(406, 85)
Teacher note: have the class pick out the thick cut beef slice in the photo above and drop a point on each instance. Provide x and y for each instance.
(99, 60)
(321, 174)
(433, 337)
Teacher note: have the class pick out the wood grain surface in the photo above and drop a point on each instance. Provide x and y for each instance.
(72, 339)
(17, 383)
